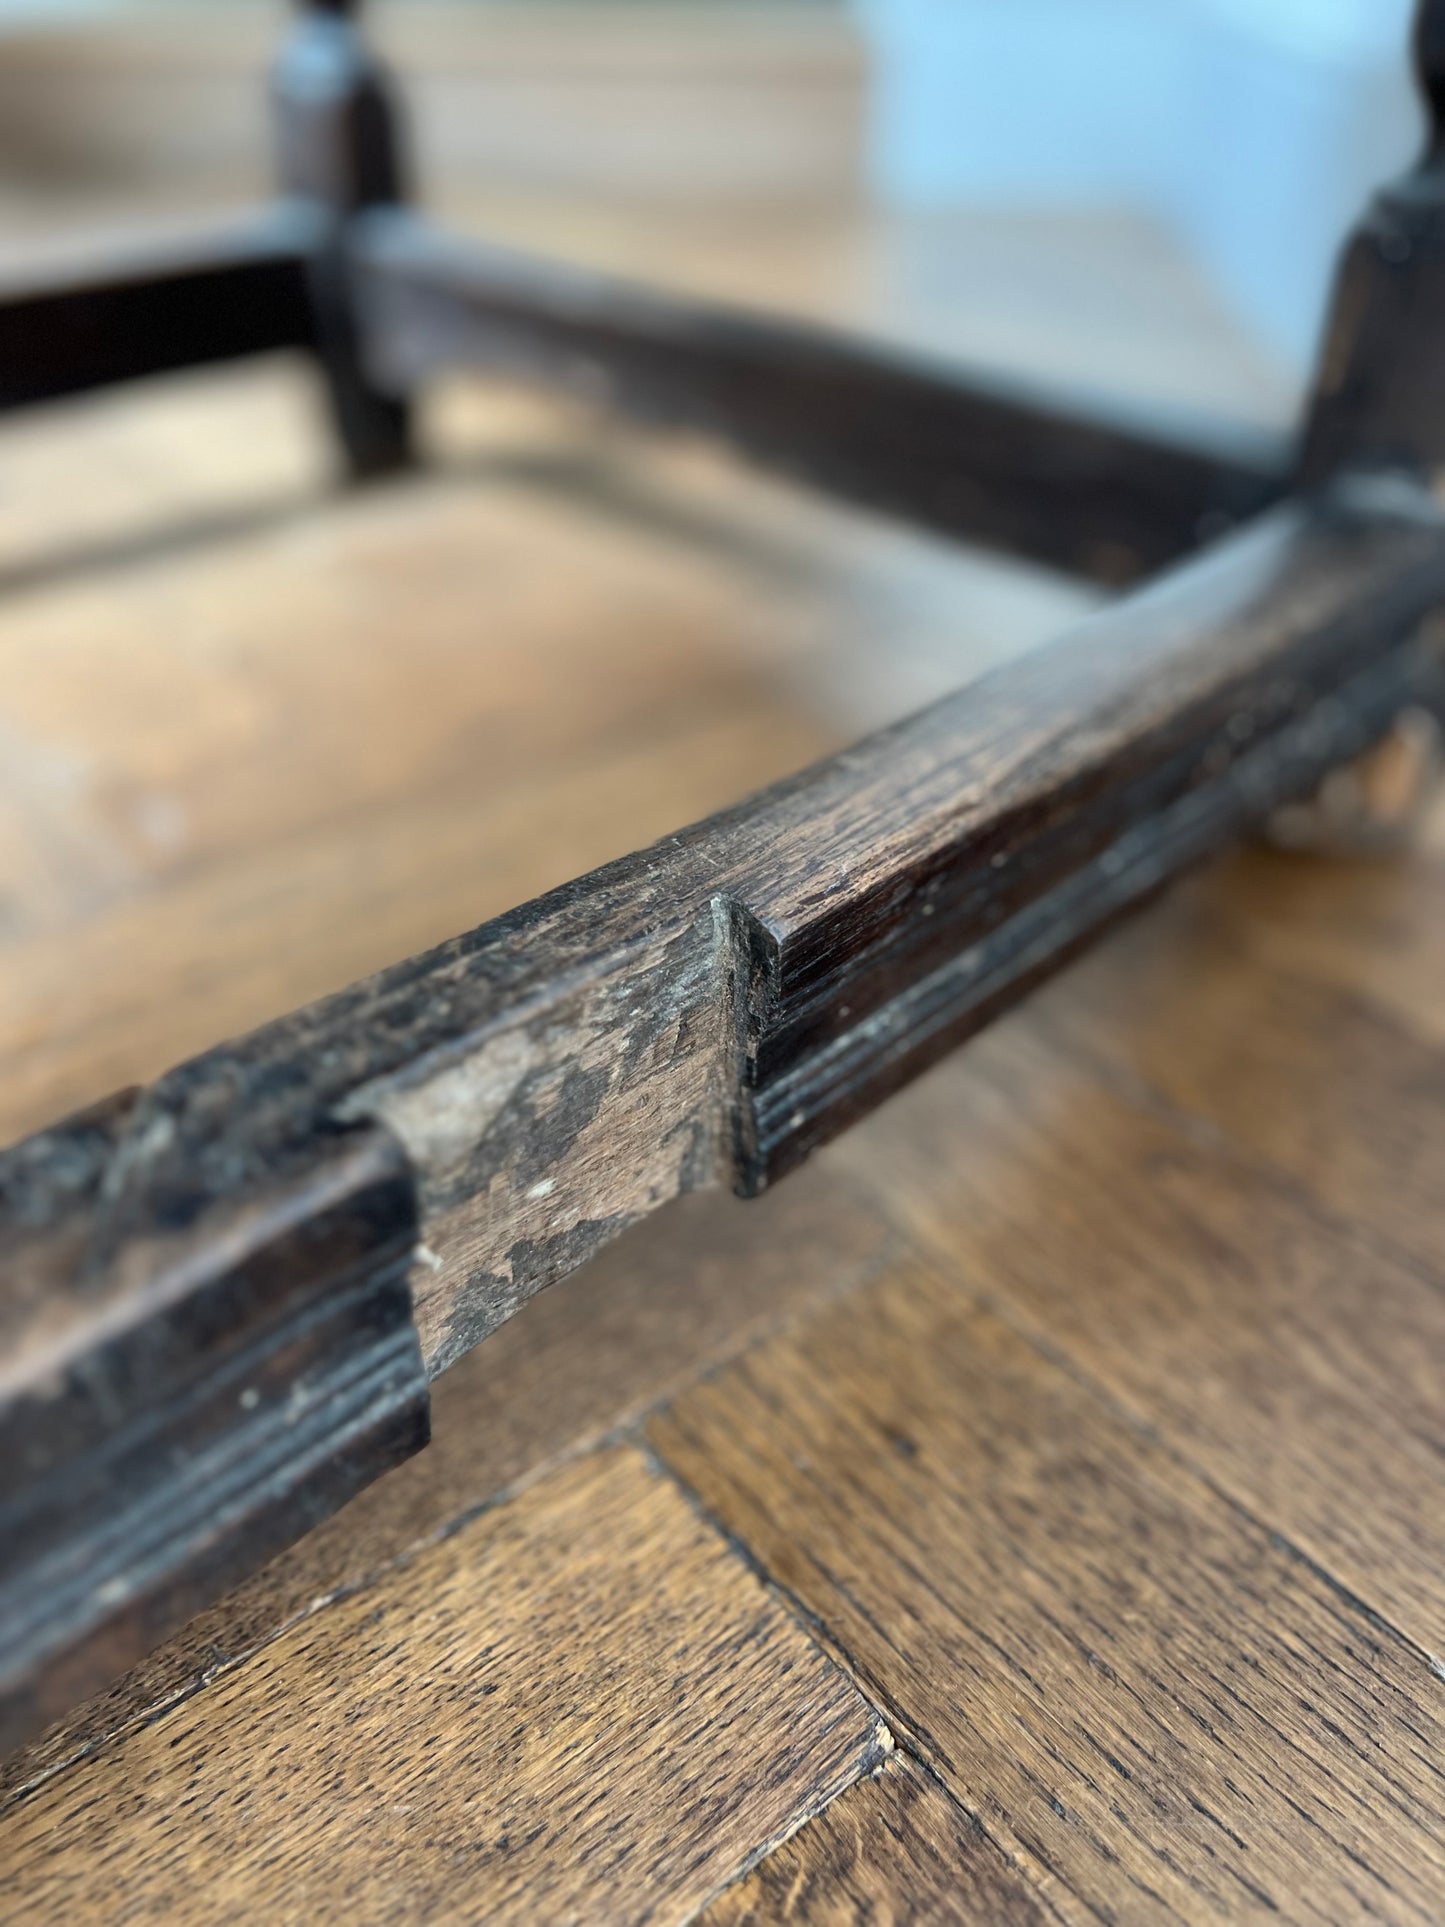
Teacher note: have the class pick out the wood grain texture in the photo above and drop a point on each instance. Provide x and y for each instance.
(890, 1850)
(1372, 930)
(718, 1005)
(666, 1302)
(562, 1071)
(157, 895)
(1148, 1697)
(1078, 782)
(1292, 1356)
(630, 1723)
(506, 749)
(267, 1370)
(1318, 1083)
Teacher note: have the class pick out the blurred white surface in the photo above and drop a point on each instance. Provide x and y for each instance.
(1253, 129)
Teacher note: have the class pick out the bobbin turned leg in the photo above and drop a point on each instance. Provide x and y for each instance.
(1379, 398)
(339, 150)
(1379, 402)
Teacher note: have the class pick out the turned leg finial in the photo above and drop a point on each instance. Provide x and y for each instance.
(1379, 402)
(339, 142)
(1379, 398)
(339, 149)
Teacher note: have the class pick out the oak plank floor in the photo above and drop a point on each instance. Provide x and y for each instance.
(1322, 1081)
(406, 1753)
(892, 1848)
(1296, 1359)
(1163, 1710)
(1375, 930)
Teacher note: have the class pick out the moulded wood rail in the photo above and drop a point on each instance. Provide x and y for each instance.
(208, 1339)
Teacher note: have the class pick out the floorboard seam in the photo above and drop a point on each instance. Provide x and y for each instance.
(869, 1768)
(836, 1654)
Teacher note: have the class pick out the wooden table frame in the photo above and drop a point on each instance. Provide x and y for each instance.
(224, 1295)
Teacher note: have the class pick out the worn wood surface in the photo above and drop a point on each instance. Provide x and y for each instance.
(1063, 1560)
(713, 1008)
(731, 997)
(673, 1299)
(169, 1427)
(689, 1017)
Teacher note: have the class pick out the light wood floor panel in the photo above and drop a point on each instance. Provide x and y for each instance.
(1166, 1712)
(1293, 1357)
(1336, 1092)
(628, 1723)
(892, 1849)
(1374, 929)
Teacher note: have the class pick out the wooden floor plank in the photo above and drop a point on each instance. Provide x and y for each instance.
(1295, 1359)
(1374, 928)
(1166, 1712)
(675, 1296)
(1312, 1078)
(582, 1705)
(892, 1849)
(266, 765)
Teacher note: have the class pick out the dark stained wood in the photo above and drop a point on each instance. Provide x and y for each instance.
(1293, 1356)
(166, 1427)
(628, 1725)
(339, 153)
(1145, 1695)
(117, 314)
(1014, 822)
(965, 456)
(890, 1850)
(1380, 390)
(336, 117)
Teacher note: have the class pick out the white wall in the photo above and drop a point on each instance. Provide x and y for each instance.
(1254, 128)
